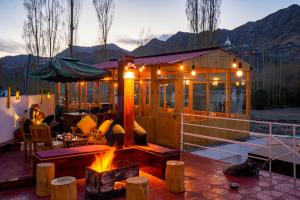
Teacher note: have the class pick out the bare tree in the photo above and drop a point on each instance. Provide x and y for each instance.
(213, 14)
(196, 12)
(71, 24)
(53, 11)
(144, 36)
(105, 14)
(33, 27)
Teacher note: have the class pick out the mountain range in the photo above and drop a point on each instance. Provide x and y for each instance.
(279, 29)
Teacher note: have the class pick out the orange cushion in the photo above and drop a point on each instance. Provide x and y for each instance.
(86, 124)
(103, 128)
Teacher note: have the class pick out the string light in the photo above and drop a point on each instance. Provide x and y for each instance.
(181, 67)
(143, 67)
(234, 63)
(158, 71)
(193, 72)
(17, 93)
(239, 73)
(82, 83)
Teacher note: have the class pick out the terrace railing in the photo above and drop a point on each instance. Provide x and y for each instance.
(196, 127)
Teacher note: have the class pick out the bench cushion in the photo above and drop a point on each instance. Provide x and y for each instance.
(153, 148)
(72, 151)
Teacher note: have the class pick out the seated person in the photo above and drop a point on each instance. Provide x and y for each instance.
(35, 114)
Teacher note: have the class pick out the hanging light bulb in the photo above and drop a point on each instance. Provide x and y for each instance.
(234, 63)
(48, 95)
(82, 83)
(193, 72)
(17, 93)
(158, 71)
(239, 73)
(115, 85)
(143, 67)
(140, 69)
(181, 67)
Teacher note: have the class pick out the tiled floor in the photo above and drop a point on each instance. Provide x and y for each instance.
(204, 180)
(14, 165)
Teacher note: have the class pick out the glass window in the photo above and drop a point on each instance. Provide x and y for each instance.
(199, 96)
(186, 94)
(147, 88)
(116, 94)
(91, 90)
(217, 77)
(73, 92)
(104, 92)
(170, 95)
(161, 95)
(217, 97)
(136, 93)
(167, 95)
(238, 98)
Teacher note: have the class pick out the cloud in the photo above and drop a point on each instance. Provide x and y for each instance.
(164, 36)
(11, 47)
(127, 40)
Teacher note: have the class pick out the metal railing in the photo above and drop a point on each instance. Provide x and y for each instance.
(270, 136)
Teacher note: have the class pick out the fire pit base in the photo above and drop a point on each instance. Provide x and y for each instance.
(111, 183)
(105, 195)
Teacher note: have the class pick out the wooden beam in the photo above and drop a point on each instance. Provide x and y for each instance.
(248, 94)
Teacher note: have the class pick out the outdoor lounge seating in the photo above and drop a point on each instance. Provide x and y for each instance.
(41, 134)
(151, 159)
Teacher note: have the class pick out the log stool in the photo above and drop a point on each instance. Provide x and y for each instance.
(44, 175)
(137, 188)
(175, 176)
(64, 188)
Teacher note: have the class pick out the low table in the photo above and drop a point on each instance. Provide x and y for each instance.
(74, 141)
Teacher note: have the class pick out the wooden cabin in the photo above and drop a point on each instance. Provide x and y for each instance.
(165, 87)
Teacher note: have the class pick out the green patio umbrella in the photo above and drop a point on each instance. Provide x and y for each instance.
(68, 70)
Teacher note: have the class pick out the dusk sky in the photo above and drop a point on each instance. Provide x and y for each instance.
(164, 17)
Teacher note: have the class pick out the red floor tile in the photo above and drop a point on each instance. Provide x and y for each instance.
(204, 179)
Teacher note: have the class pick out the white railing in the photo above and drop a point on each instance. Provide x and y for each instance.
(270, 135)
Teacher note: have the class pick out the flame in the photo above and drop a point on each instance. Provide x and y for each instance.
(103, 162)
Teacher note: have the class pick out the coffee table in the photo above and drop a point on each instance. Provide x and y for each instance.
(74, 141)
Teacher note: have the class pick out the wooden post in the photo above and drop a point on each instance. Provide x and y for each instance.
(57, 95)
(44, 175)
(64, 188)
(248, 94)
(228, 94)
(86, 95)
(126, 99)
(137, 188)
(175, 175)
(99, 97)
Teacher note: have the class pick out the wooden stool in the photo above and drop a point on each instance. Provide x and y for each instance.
(137, 188)
(64, 188)
(44, 175)
(175, 175)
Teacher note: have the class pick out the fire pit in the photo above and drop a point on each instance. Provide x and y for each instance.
(106, 179)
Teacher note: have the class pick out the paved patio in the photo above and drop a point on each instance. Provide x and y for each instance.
(204, 180)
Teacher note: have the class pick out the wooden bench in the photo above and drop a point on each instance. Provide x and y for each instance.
(72, 161)
(153, 158)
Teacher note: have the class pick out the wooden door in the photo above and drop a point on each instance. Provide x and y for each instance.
(167, 117)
